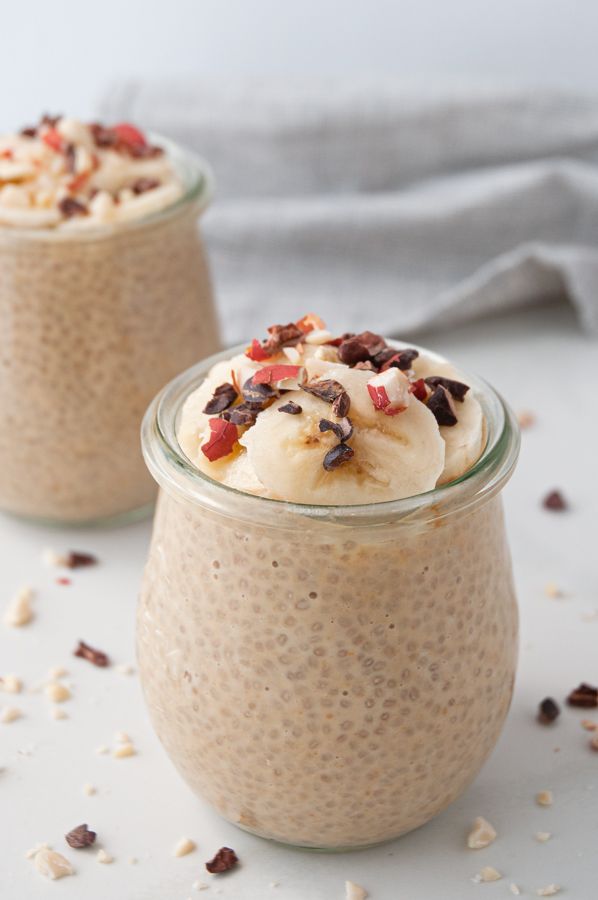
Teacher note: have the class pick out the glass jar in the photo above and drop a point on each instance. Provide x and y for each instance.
(328, 677)
(92, 324)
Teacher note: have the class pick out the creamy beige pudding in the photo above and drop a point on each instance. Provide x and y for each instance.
(104, 296)
(329, 674)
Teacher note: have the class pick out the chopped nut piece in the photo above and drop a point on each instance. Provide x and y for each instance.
(80, 837)
(58, 713)
(132, 860)
(125, 669)
(104, 857)
(544, 798)
(548, 711)
(102, 750)
(553, 591)
(124, 750)
(549, 891)
(481, 835)
(121, 737)
(51, 864)
(354, 891)
(19, 611)
(89, 790)
(184, 846)
(10, 714)
(224, 860)
(97, 657)
(488, 873)
(542, 836)
(57, 692)
(10, 684)
(515, 889)
(588, 725)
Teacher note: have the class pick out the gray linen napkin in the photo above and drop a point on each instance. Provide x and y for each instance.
(387, 207)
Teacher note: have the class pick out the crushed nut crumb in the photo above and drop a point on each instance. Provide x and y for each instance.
(481, 835)
(57, 672)
(89, 790)
(354, 891)
(102, 750)
(104, 857)
(121, 737)
(124, 750)
(553, 591)
(10, 684)
(588, 725)
(526, 419)
(19, 611)
(184, 846)
(542, 836)
(57, 692)
(58, 713)
(33, 850)
(125, 669)
(549, 891)
(488, 873)
(51, 864)
(544, 798)
(514, 888)
(10, 714)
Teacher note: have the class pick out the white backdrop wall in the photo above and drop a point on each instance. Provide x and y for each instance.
(59, 54)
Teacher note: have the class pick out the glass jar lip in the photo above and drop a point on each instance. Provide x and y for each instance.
(198, 183)
(173, 470)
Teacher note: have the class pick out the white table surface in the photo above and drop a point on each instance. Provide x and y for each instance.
(542, 362)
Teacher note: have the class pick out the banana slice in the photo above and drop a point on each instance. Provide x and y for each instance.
(466, 440)
(395, 456)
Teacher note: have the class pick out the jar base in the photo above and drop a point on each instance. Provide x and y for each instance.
(128, 517)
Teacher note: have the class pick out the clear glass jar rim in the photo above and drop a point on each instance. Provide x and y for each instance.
(199, 184)
(175, 472)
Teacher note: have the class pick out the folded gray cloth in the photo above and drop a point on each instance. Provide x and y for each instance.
(385, 207)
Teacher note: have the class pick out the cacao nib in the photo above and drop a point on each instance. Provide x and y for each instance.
(360, 347)
(548, 711)
(97, 657)
(70, 207)
(327, 389)
(80, 837)
(441, 405)
(75, 559)
(336, 342)
(338, 455)
(343, 429)
(28, 132)
(257, 396)
(292, 408)
(142, 185)
(455, 388)
(224, 860)
(341, 405)
(103, 137)
(224, 396)
(282, 336)
(69, 154)
(50, 121)
(555, 502)
(240, 415)
(584, 696)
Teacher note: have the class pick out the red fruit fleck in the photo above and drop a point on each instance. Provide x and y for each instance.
(221, 441)
(379, 396)
(310, 322)
(6, 154)
(275, 373)
(419, 389)
(130, 135)
(53, 139)
(256, 352)
(76, 183)
(63, 580)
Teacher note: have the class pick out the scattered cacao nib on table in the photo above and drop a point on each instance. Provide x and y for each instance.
(70, 207)
(223, 861)
(80, 837)
(585, 696)
(548, 711)
(96, 657)
(75, 559)
(555, 502)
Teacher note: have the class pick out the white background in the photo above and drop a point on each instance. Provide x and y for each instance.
(59, 55)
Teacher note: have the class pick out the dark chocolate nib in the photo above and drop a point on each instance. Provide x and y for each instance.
(292, 408)
(80, 837)
(224, 860)
(548, 711)
(441, 405)
(224, 396)
(327, 389)
(584, 696)
(338, 455)
(343, 429)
